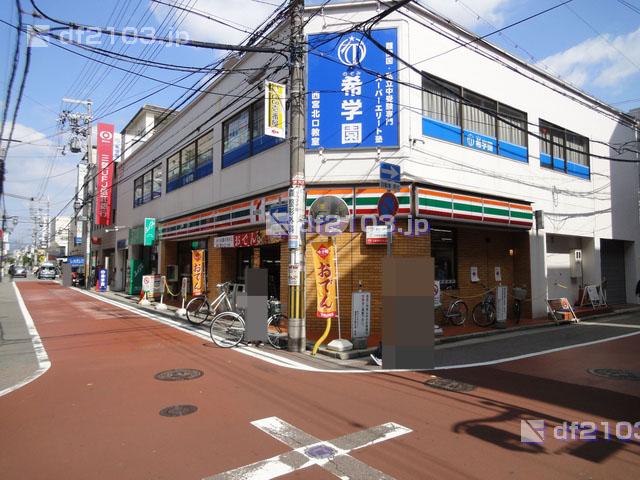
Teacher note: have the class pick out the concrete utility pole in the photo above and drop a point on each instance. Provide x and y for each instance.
(88, 190)
(297, 310)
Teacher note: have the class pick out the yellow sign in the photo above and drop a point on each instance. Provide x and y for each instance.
(275, 115)
(324, 265)
(197, 272)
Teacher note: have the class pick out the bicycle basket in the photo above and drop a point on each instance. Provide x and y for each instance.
(275, 307)
(519, 293)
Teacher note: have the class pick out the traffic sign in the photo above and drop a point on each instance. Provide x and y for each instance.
(390, 175)
(388, 204)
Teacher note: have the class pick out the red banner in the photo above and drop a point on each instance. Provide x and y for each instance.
(104, 180)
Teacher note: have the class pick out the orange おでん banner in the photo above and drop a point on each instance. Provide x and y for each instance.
(197, 272)
(325, 274)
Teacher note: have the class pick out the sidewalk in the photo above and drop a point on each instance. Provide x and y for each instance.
(359, 359)
(18, 359)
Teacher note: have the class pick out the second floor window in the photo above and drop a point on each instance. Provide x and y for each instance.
(243, 135)
(147, 186)
(190, 163)
(563, 150)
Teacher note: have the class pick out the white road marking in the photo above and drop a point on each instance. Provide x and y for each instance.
(333, 456)
(41, 354)
(606, 324)
(290, 363)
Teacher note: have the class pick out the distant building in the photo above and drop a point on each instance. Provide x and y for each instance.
(59, 237)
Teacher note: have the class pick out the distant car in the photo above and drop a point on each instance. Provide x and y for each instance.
(18, 271)
(47, 272)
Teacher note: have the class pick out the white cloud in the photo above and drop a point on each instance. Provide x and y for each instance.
(244, 14)
(470, 13)
(602, 61)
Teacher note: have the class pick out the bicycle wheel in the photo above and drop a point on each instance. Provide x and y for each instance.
(480, 316)
(227, 329)
(198, 310)
(458, 312)
(278, 331)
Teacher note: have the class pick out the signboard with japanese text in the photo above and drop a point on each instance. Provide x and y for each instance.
(275, 115)
(103, 280)
(226, 241)
(104, 178)
(376, 234)
(352, 96)
(325, 274)
(197, 272)
(501, 303)
(151, 284)
(247, 239)
(360, 314)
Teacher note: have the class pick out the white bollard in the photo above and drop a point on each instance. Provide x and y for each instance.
(145, 301)
(162, 305)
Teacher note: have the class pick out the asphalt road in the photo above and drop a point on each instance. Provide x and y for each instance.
(96, 412)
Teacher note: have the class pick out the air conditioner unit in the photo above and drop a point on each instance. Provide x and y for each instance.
(575, 262)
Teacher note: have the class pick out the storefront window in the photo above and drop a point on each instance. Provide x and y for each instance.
(443, 250)
(244, 259)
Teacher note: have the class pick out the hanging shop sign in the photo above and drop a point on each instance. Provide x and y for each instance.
(149, 231)
(197, 272)
(76, 261)
(295, 215)
(352, 90)
(325, 274)
(104, 179)
(470, 208)
(275, 114)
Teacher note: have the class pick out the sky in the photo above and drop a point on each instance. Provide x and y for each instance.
(593, 44)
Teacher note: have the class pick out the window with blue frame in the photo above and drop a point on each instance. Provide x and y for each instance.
(564, 151)
(147, 186)
(243, 135)
(460, 116)
(191, 163)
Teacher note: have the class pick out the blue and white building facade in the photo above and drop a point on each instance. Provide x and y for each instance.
(473, 122)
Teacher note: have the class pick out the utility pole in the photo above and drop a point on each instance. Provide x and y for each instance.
(297, 210)
(76, 129)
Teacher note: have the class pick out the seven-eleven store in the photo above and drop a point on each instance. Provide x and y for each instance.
(467, 232)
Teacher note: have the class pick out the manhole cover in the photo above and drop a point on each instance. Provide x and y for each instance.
(448, 384)
(617, 373)
(179, 374)
(178, 410)
(321, 451)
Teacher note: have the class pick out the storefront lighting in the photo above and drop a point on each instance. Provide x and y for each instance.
(511, 252)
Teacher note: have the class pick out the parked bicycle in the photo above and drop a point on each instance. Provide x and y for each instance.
(519, 296)
(199, 309)
(484, 313)
(228, 328)
(456, 313)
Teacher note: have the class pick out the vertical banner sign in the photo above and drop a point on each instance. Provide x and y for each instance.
(105, 173)
(136, 269)
(324, 271)
(197, 272)
(149, 231)
(353, 90)
(275, 115)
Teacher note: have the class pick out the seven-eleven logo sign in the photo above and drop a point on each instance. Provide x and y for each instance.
(323, 251)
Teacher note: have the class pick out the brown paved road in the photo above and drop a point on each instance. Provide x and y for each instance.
(94, 414)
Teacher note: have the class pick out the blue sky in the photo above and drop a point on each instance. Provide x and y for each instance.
(594, 44)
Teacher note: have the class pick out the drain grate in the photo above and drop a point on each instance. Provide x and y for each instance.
(178, 410)
(450, 385)
(179, 374)
(616, 373)
(321, 452)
